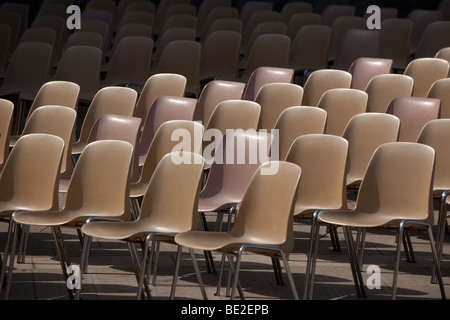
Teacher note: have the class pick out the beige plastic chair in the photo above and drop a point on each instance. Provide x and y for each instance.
(297, 121)
(109, 100)
(263, 224)
(443, 53)
(322, 80)
(364, 69)
(440, 89)
(274, 98)
(158, 85)
(33, 169)
(168, 207)
(264, 75)
(394, 41)
(95, 189)
(384, 88)
(433, 39)
(414, 113)
(341, 105)
(6, 116)
(395, 193)
(425, 71)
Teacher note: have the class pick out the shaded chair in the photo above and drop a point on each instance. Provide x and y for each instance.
(221, 13)
(95, 189)
(108, 100)
(250, 7)
(440, 89)
(263, 75)
(85, 38)
(127, 30)
(57, 24)
(40, 34)
(204, 10)
(425, 71)
(263, 224)
(414, 113)
(394, 41)
(14, 21)
(262, 27)
(443, 53)
(274, 98)
(297, 121)
(421, 19)
(384, 88)
(290, 9)
(299, 20)
(168, 207)
(101, 28)
(322, 80)
(212, 94)
(163, 109)
(5, 34)
(433, 39)
(333, 12)
(146, 18)
(33, 168)
(339, 27)
(223, 24)
(6, 116)
(341, 104)
(179, 21)
(444, 7)
(363, 69)
(157, 85)
(395, 193)
(22, 9)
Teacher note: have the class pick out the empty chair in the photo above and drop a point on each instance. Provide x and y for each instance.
(5, 34)
(85, 38)
(250, 7)
(363, 69)
(221, 13)
(384, 88)
(6, 116)
(394, 41)
(333, 12)
(291, 8)
(39, 34)
(263, 75)
(263, 27)
(425, 71)
(322, 80)
(440, 89)
(254, 20)
(274, 98)
(443, 53)
(414, 113)
(421, 19)
(101, 28)
(128, 30)
(223, 24)
(263, 224)
(299, 20)
(204, 10)
(179, 21)
(57, 24)
(433, 39)
(14, 21)
(341, 104)
(146, 18)
(394, 193)
(339, 27)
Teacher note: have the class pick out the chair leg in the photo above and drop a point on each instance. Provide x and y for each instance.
(312, 257)
(197, 272)
(277, 271)
(436, 262)
(175, 274)
(354, 263)
(14, 235)
(63, 256)
(440, 231)
(6, 252)
(219, 282)
(140, 271)
(83, 262)
(289, 274)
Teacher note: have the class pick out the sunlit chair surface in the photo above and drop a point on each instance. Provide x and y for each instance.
(363, 69)
(264, 75)
(421, 19)
(440, 89)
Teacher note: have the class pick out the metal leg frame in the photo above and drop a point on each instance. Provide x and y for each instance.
(442, 218)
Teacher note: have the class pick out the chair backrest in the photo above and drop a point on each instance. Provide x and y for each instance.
(119, 127)
(248, 10)
(6, 115)
(14, 21)
(100, 180)
(440, 89)
(58, 121)
(414, 113)
(399, 181)
(205, 9)
(263, 27)
(291, 8)
(421, 19)
(269, 219)
(131, 29)
(435, 134)
(294, 122)
(394, 41)
(274, 98)
(30, 175)
(85, 38)
(365, 132)
(341, 105)
(179, 21)
(323, 159)
(384, 88)
(299, 20)
(425, 71)
(263, 75)
(332, 12)
(220, 13)
(433, 39)
(5, 34)
(338, 28)
(321, 81)
(171, 200)
(363, 69)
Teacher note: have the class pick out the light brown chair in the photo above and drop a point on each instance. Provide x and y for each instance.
(433, 39)
(174, 186)
(395, 193)
(109, 100)
(297, 121)
(321, 81)
(273, 99)
(414, 113)
(384, 88)
(341, 104)
(440, 89)
(264, 75)
(363, 69)
(394, 41)
(33, 169)
(425, 71)
(6, 116)
(95, 189)
(263, 224)
(157, 85)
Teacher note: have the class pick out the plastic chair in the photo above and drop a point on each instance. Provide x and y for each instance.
(212, 94)
(250, 7)
(100, 27)
(164, 108)
(5, 34)
(33, 168)
(363, 69)
(204, 10)
(179, 21)
(91, 184)
(333, 12)
(394, 41)
(130, 62)
(440, 89)
(40, 34)
(133, 17)
(81, 64)
(6, 115)
(395, 193)
(433, 39)
(222, 24)
(85, 38)
(414, 113)
(421, 19)
(322, 80)
(262, 27)
(297, 121)
(264, 75)
(182, 57)
(140, 5)
(14, 21)
(157, 85)
(257, 17)
(220, 55)
(425, 71)
(109, 100)
(443, 53)
(384, 88)
(128, 30)
(341, 104)
(23, 9)
(224, 14)
(257, 229)
(300, 20)
(290, 9)
(173, 185)
(274, 98)
(57, 24)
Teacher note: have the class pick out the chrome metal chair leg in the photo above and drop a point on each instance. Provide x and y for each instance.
(175, 274)
(197, 272)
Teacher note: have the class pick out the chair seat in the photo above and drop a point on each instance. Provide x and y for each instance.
(216, 203)
(51, 218)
